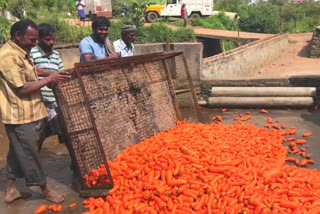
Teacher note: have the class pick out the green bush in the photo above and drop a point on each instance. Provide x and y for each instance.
(65, 32)
(229, 45)
(157, 33)
(220, 21)
(4, 29)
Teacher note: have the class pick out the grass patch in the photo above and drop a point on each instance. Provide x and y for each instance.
(220, 21)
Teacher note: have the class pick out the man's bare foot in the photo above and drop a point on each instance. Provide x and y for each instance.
(51, 195)
(13, 194)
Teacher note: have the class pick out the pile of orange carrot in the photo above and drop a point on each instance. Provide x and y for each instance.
(215, 168)
(97, 177)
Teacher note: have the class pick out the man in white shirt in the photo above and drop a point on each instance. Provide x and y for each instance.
(124, 46)
(81, 13)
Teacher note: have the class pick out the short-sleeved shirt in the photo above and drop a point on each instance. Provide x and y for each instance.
(89, 46)
(17, 69)
(123, 49)
(51, 62)
(79, 5)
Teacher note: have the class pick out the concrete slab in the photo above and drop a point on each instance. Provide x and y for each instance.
(56, 159)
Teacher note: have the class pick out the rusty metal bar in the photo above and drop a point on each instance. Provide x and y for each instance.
(119, 62)
(191, 85)
(171, 87)
(93, 123)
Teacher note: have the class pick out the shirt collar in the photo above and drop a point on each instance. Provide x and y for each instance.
(124, 45)
(21, 52)
(44, 54)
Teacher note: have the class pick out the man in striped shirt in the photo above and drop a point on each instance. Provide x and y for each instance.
(46, 58)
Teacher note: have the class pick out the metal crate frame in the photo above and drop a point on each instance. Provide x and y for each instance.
(121, 63)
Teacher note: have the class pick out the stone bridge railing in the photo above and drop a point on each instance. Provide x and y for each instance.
(315, 44)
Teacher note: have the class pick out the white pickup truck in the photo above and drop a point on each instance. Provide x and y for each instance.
(172, 8)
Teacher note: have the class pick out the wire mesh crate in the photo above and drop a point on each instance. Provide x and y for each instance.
(111, 104)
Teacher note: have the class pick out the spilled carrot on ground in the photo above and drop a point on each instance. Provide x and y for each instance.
(211, 168)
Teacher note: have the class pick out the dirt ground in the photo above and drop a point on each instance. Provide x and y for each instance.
(56, 160)
(295, 62)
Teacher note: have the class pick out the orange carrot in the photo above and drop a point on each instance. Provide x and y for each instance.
(307, 134)
(264, 111)
(244, 118)
(276, 126)
(59, 208)
(72, 205)
(41, 209)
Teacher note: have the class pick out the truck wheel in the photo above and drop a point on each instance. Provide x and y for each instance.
(194, 16)
(152, 17)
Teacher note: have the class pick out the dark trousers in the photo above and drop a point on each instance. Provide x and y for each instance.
(23, 157)
(52, 125)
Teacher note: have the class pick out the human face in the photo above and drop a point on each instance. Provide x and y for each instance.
(46, 42)
(129, 37)
(101, 33)
(27, 40)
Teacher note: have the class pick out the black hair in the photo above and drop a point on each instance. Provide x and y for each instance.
(45, 30)
(22, 26)
(100, 21)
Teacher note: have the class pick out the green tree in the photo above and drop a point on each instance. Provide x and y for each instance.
(4, 3)
(260, 18)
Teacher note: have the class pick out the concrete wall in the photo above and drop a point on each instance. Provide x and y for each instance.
(242, 62)
(193, 52)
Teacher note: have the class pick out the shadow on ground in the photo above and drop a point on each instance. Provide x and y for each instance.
(305, 51)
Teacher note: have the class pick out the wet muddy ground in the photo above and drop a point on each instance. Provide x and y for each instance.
(56, 159)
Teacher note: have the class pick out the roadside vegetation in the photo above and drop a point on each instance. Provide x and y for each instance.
(47, 11)
(260, 17)
(265, 17)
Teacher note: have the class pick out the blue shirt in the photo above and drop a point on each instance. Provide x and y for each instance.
(89, 46)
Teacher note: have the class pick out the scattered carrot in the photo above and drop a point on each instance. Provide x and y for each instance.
(219, 118)
(59, 208)
(276, 126)
(244, 118)
(223, 110)
(277, 121)
(72, 205)
(248, 112)
(307, 134)
(41, 209)
(264, 111)
(269, 120)
(300, 141)
(283, 126)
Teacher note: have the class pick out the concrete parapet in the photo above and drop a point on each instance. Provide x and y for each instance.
(244, 61)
